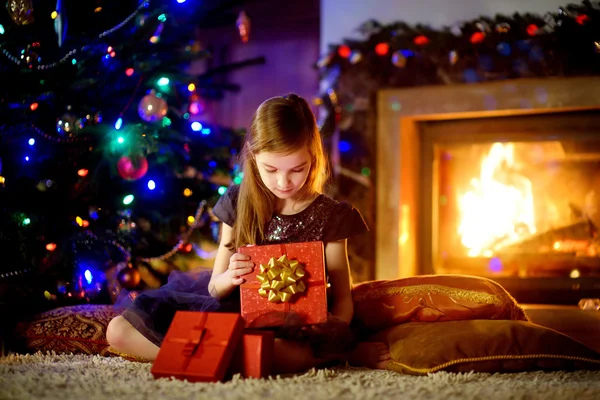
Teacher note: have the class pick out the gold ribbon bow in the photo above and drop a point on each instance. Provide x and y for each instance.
(281, 279)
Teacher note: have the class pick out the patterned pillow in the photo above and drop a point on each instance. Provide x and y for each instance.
(431, 298)
(72, 329)
(420, 348)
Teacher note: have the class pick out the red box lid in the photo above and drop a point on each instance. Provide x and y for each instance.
(198, 346)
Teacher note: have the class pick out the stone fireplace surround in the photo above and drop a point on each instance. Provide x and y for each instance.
(399, 251)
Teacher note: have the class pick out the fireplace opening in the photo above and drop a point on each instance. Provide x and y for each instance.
(515, 199)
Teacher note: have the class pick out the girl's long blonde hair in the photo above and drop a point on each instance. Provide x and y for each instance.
(279, 125)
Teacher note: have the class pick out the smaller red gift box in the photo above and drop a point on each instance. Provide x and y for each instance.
(198, 346)
(306, 296)
(254, 356)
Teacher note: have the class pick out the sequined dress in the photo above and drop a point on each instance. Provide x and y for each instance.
(152, 311)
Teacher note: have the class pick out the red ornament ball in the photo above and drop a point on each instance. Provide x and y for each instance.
(477, 37)
(132, 168)
(382, 49)
(582, 19)
(129, 278)
(532, 29)
(421, 40)
(344, 51)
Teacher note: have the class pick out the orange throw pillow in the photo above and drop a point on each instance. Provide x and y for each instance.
(431, 298)
(79, 329)
(420, 348)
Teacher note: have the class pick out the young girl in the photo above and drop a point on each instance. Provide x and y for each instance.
(280, 200)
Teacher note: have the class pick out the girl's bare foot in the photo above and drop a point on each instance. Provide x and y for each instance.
(374, 355)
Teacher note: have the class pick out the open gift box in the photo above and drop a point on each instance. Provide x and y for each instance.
(288, 285)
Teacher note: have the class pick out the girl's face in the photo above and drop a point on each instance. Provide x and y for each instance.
(284, 174)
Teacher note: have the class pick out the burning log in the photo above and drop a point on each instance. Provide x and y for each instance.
(575, 238)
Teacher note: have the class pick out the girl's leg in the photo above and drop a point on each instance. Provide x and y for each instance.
(123, 337)
(293, 357)
(370, 354)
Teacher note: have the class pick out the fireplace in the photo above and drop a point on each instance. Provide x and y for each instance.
(497, 180)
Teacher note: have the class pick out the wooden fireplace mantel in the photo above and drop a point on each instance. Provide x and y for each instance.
(399, 113)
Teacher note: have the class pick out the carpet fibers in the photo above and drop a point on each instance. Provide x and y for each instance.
(52, 376)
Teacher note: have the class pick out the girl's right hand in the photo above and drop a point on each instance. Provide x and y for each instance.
(239, 264)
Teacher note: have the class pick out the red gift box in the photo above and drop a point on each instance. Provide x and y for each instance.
(266, 301)
(198, 346)
(254, 355)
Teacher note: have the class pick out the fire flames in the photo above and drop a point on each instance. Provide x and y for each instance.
(497, 210)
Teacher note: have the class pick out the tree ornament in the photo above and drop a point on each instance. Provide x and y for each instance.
(503, 27)
(381, 49)
(243, 25)
(152, 108)
(453, 57)
(355, 57)
(421, 40)
(60, 22)
(582, 19)
(398, 59)
(132, 168)
(503, 49)
(532, 29)
(69, 124)
(21, 11)
(129, 277)
(483, 26)
(344, 51)
(30, 55)
(324, 60)
(477, 37)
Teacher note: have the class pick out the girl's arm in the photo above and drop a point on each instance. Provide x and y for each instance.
(228, 267)
(338, 267)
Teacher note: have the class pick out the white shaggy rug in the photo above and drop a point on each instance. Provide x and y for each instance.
(63, 377)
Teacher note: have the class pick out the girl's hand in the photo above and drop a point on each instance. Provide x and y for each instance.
(239, 264)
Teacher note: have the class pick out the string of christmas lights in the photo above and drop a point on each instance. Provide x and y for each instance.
(19, 60)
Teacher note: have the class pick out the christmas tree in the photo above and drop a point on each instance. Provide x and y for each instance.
(108, 163)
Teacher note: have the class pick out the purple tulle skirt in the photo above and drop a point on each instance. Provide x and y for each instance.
(151, 313)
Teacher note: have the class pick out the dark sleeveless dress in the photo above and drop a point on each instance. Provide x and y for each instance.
(152, 311)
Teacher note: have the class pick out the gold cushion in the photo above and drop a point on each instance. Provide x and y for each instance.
(79, 329)
(428, 298)
(419, 348)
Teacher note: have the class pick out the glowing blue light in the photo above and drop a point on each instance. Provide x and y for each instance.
(73, 61)
(107, 56)
(151, 184)
(222, 190)
(344, 146)
(120, 139)
(94, 214)
(1, 30)
(26, 158)
(196, 126)
(88, 276)
(495, 264)
(31, 141)
(163, 81)
(119, 123)
(181, 1)
(212, 164)
(206, 131)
